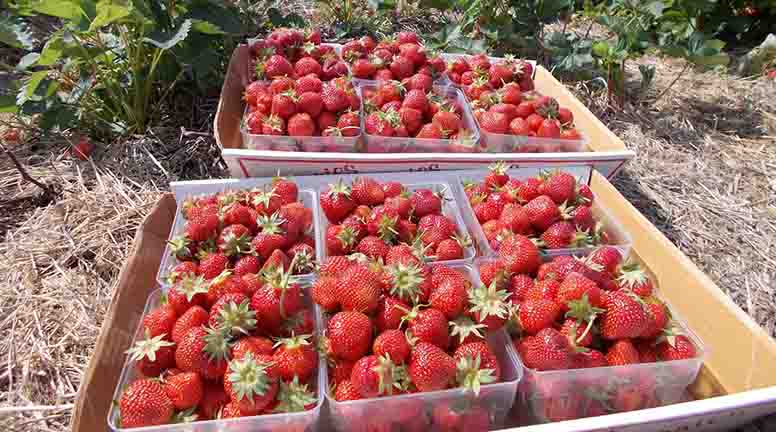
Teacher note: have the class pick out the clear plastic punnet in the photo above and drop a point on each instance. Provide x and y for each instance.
(450, 208)
(302, 421)
(427, 411)
(337, 144)
(186, 190)
(618, 237)
(381, 144)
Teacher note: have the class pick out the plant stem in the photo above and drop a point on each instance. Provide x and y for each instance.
(48, 190)
(676, 78)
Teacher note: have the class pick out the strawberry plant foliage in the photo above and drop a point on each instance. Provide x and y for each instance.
(109, 59)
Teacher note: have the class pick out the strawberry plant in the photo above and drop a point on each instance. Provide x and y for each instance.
(109, 59)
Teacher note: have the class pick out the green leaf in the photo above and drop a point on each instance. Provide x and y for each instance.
(601, 49)
(108, 11)
(33, 82)
(206, 27)
(8, 103)
(66, 9)
(52, 51)
(165, 42)
(27, 61)
(210, 18)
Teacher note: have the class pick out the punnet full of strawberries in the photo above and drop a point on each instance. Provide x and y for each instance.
(588, 312)
(244, 351)
(478, 74)
(553, 210)
(384, 221)
(403, 326)
(231, 237)
(401, 58)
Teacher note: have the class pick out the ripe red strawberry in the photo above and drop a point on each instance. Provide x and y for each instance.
(324, 293)
(308, 84)
(195, 316)
(256, 345)
(144, 403)
(213, 400)
(449, 297)
(574, 287)
(279, 298)
(657, 317)
(488, 305)
(309, 104)
(185, 390)
(647, 351)
(152, 355)
(373, 376)
(430, 368)
(607, 257)
(248, 383)
(519, 254)
(625, 316)
(306, 66)
(548, 350)
(449, 249)
(549, 128)
(543, 212)
(535, 315)
(389, 313)
(494, 122)
(334, 98)
(201, 227)
(334, 266)
(363, 68)
(265, 202)
(160, 321)
(411, 118)
(280, 85)
(520, 285)
(515, 218)
(346, 391)
(488, 362)
(284, 105)
(349, 124)
(402, 67)
(188, 291)
(425, 202)
(494, 272)
(350, 335)
(326, 120)
(634, 278)
(276, 261)
(367, 191)
(295, 357)
(560, 187)
(373, 247)
(336, 202)
(430, 131)
(392, 344)
(204, 351)
(359, 289)
(676, 348)
(276, 65)
(622, 352)
(232, 314)
(428, 325)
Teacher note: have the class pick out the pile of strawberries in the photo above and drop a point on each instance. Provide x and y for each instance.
(231, 237)
(384, 221)
(575, 313)
(553, 209)
(297, 96)
(402, 58)
(477, 74)
(394, 111)
(430, 324)
(242, 351)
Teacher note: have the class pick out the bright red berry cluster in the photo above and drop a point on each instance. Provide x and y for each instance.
(400, 58)
(385, 221)
(553, 209)
(477, 74)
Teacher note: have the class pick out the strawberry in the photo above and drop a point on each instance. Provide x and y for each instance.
(634, 278)
(195, 316)
(363, 68)
(449, 297)
(203, 350)
(160, 321)
(428, 325)
(359, 289)
(430, 131)
(430, 368)
(334, 266)
(560, 187)
(425, 202)
(625, 316)
(518, 126)
(494, 122)
(408, 281)
(549, 128)
(273, 125)
(306, 66)
(346, 391)
(231, 313)
(416, 99)
(476, 364)
(402, 67)
(280, 85)
(488, 305)
(189, 291)
(276, 261)
(535, 315)
(326, 120)
(349, 124)
(607, 257)
(308, 84)
(279, 298)
(373, 247)
(276, 65)
(574, 287)
(201, 227)
(657, 317)
(350, 335)
(310, 104)
(412, 119)
(519, 286)
(284, 105)
(145, 403)
(463, 330)
(548, 350)
(450, 249)
(152, 355)
(515, 218)
(622, 352)
(367, 191)
(295, 358)
(647, 351)
(675, 348)
(213, 400)
(389, 314)
(249, 384)
(256, 345)
(546, 289)
(543, 212)
(576, 334)
(324, 293)
(519, 254)
(334, 98)
(185, 390)
(392, 344)
(336, 202)
(294, 397)
(493, 272)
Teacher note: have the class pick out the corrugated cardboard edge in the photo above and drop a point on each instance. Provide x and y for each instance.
(230, 106)
(136, 280)
(743, 355)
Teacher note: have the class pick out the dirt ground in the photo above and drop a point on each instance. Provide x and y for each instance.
(704, 174)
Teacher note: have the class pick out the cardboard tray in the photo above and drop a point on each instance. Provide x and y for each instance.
(736, 384)
(608, 153)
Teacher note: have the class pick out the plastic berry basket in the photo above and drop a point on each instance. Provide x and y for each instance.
(338, 144)
(187, 190)
(381, 144)
(450, 208)
(619, 237)
(305, 420)
(382, 413)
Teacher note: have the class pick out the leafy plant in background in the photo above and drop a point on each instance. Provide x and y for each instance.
(351, 18)
(112, 63)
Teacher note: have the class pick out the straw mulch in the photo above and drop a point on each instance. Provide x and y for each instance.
(704, 175)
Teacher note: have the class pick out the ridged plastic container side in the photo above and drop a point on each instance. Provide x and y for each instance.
(169, 261)
(381, 144)
(306, 420)
(619, 237)
(450, 208)
(337, 144)
(425, 411)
